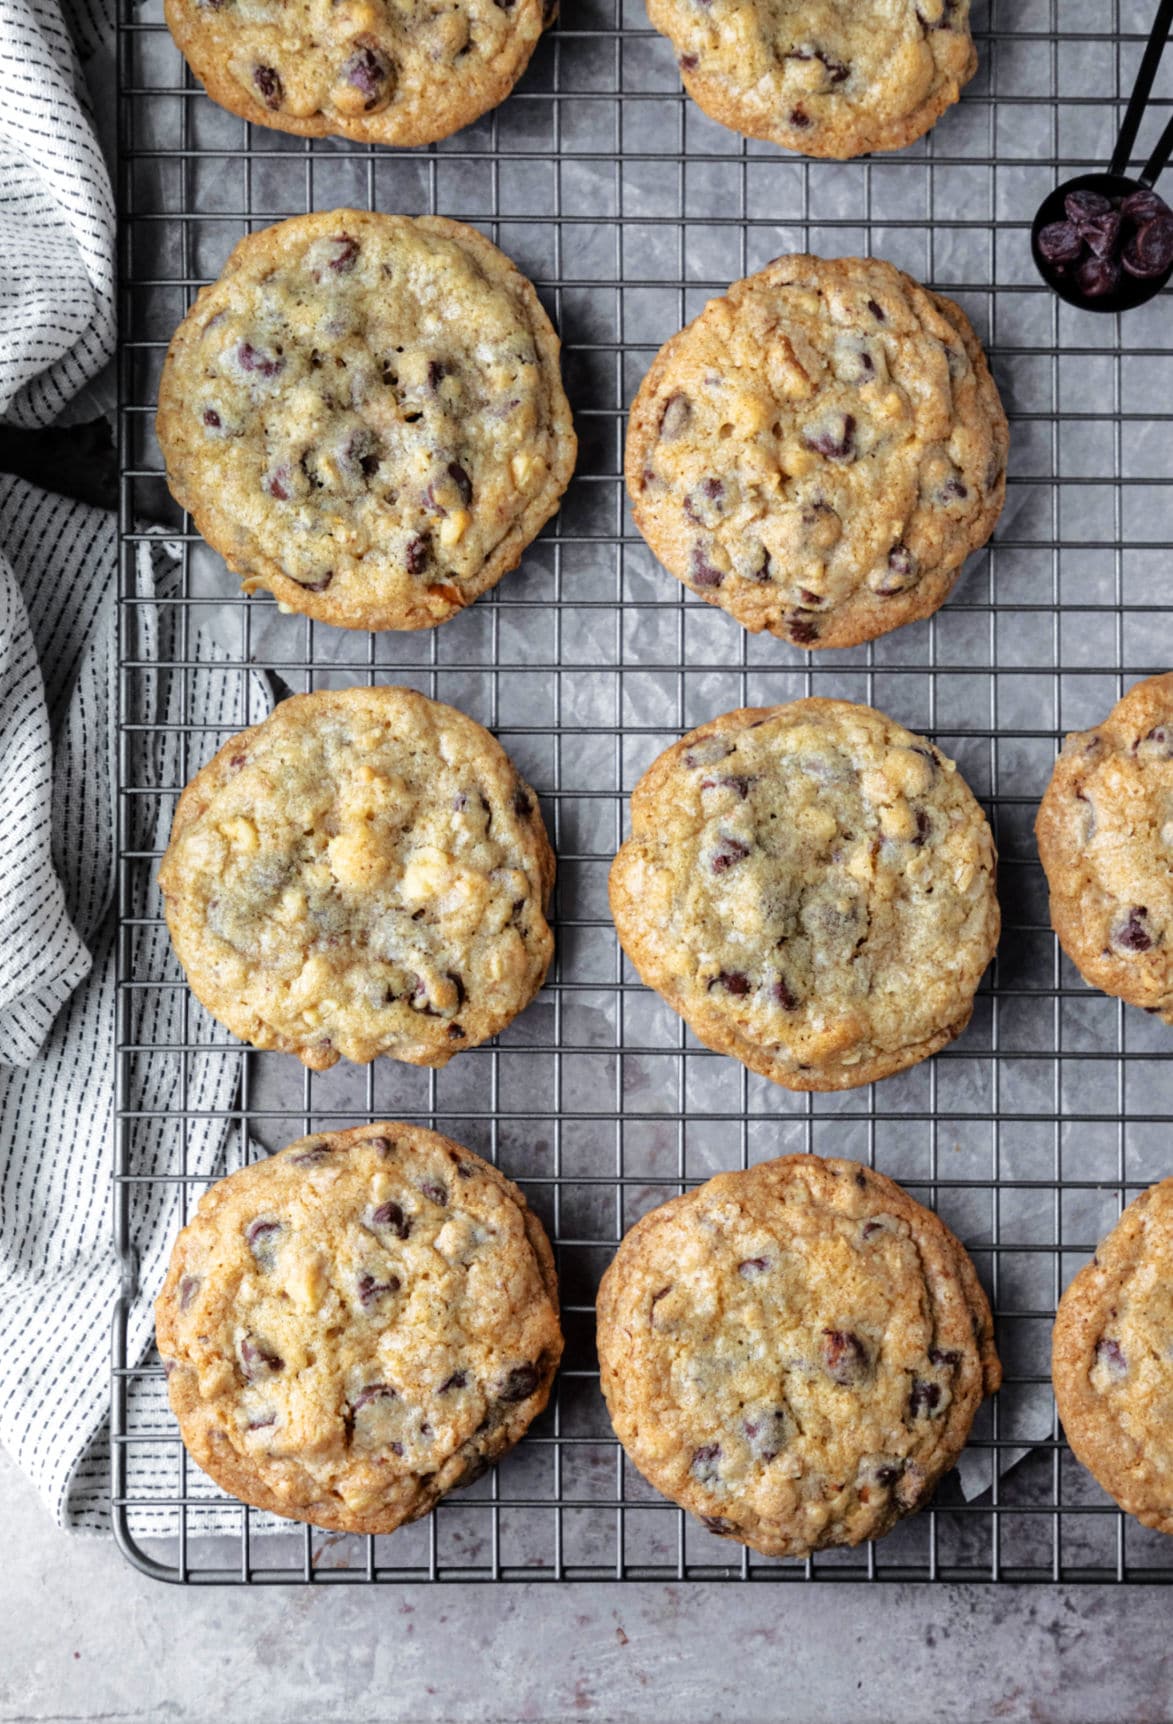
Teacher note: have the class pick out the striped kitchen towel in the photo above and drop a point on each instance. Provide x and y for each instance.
(59, 1276)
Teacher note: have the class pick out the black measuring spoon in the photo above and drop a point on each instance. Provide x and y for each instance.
(1104, 242)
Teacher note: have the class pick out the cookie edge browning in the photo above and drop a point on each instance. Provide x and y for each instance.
(866, 615)
(1100, 969)
(1094, 1437)
(822, 1174)
(245, 1482)
(721, 101)
(714, 1031)
(201, 790)
(263, 571)
(228, 93)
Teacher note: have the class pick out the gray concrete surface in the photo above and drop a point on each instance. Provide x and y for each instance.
(83, 1637)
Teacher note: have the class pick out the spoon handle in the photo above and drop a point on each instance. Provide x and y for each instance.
(1159, 157)
(1142, 89)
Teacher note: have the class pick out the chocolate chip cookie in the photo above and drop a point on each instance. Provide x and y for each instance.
(1105, 832)
(358, 1325)
(819, 451)
(365, 415)
(1112, 1360)
(812, 888)
(826, 77)
(364, 873)
(794, 1353)
(377, 71)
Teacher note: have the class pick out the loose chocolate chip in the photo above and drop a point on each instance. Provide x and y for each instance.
(703, 573)
(728, 853)
(675, 417)
(753, 1266)
(522, 806)
(785, 995)
(1059, 243)
(368, 70)
(189, 1286)
(924, 1398)
(733, 982)
(944, 1356)
(435, 1193)
(461, 480)
(372, 1392)
(1102, 233)
(845, 1358)
(211, 418)
(1098, 276)
(1081, 206)
(728, 782)
(268, 84)
(717, 1523)
(256, 1359)
(458, 1380)
(704, 1462)
(369, 1289)
(1110, 1354)
(391, 1215)
(1149, 252)
(520, 1384)
(1133, 934)
(1141, 206)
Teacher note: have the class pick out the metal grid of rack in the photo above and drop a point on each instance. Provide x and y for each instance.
(628, 209)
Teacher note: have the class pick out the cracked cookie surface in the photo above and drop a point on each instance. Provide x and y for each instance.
(363, 873)
(378, 71)
(1112, 1360)
(358, 1325)
(1105, 833)
(365, 415)
(794, 1353)
(826, 77)
(811, 887)
(818, 452)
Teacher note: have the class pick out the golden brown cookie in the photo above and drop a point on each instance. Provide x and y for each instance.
(818, 452)
(358, 1325)
(1105, 832)
(811, 887)
(377, 71)
(794, 1353)
(365, 415)
(364, 873)
(827, 77)
(1112, 1360)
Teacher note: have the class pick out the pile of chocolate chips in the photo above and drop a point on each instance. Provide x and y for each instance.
(1102, 235)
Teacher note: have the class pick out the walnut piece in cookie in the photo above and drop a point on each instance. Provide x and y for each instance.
(358, 1325)
(811, 887)
(364, 873)
(1105, 833)
(794, 1353)
(1112, 1360)
(365, 416)
(377, 71)
(819, 451)
(835, 78)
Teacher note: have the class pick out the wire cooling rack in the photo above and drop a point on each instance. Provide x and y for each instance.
(629, 209)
